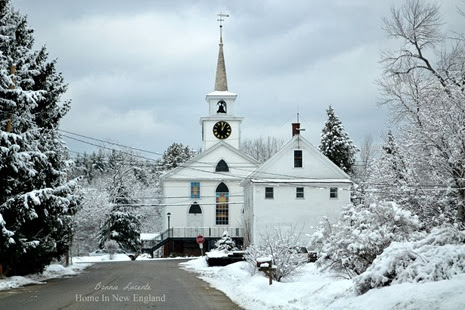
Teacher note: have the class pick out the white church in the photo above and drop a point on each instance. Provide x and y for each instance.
(223, 189)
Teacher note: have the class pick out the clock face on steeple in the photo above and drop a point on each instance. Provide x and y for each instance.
(222, 130)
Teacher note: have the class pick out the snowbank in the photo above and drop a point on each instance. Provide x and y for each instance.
(312, 289)
(52, 271)
(217, 253)
(101, 258)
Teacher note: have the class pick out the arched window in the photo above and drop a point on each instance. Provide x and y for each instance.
(222, 204)
(222, 166)
(195, 208)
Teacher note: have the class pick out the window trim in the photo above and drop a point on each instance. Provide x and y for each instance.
(194, 208)
(298, 160)
(194, 185)
(302, 192)
(333, 193)
(222, 166)
(267, 193)
(222, 207)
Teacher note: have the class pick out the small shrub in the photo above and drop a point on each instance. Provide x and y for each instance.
(111, 246)
(277, 245)
(226, 243)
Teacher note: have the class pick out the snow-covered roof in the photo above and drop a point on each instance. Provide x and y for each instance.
(218, 93)
(264, 259)
(149, 236)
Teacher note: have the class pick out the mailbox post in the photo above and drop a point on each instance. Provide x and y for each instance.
(265, 264)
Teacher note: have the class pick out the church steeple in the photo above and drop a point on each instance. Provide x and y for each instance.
(221, 125)
(221, 82)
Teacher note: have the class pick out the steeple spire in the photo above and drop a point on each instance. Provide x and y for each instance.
(221, 82)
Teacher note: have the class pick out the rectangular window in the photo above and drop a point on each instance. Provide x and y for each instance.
(299, 192)
(269, 193)
(222, 208)
(333, 192)
(195, 189)
(298, 158)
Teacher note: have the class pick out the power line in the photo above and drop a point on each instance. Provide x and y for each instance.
(107, 142)
(278, 182)
(109, 148)
(419, 186)
(179, 197)
(181, 165)
(172, 204)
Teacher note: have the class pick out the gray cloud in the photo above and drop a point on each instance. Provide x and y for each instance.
(138, 72)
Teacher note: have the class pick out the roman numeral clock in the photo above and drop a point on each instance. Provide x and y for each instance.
(222, 130)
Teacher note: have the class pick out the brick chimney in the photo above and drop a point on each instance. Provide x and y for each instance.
(295, 129)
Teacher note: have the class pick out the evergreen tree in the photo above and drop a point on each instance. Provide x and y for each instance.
(122, 223)
(389, 173)
(175, 155)
(111, 181)
(36, 200)
(123, 226)
(336, 145)
(226, 243)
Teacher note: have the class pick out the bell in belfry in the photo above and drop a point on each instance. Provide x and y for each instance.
(221, 107)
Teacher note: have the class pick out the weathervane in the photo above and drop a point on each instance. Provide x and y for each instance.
(221, 20)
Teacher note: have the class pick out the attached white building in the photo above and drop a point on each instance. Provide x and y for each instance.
(293, 190)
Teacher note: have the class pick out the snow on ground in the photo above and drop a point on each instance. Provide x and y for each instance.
(313, 289)
(149, 236)
(217, 253)
(57, 271)
(52, 271)
(101, 258)
(117, 258)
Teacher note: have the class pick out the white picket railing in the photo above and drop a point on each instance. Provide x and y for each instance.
(207, 232)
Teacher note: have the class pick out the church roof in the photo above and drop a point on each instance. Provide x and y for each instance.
(221, 82)
(198, 159)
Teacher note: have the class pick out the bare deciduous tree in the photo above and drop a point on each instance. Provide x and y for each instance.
(368, 152)
(280, 245)
(424, 84)
(261, 149)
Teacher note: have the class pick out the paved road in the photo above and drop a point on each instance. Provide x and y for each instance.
(121, 285)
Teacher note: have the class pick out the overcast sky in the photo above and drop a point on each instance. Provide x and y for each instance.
(138, 71)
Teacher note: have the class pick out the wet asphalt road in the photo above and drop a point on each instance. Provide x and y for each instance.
(159, 284)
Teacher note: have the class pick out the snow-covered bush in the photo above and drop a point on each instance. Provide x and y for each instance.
(438, 256)
(279, 246)
(361, 234)
(111, 246)
(226, 243)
